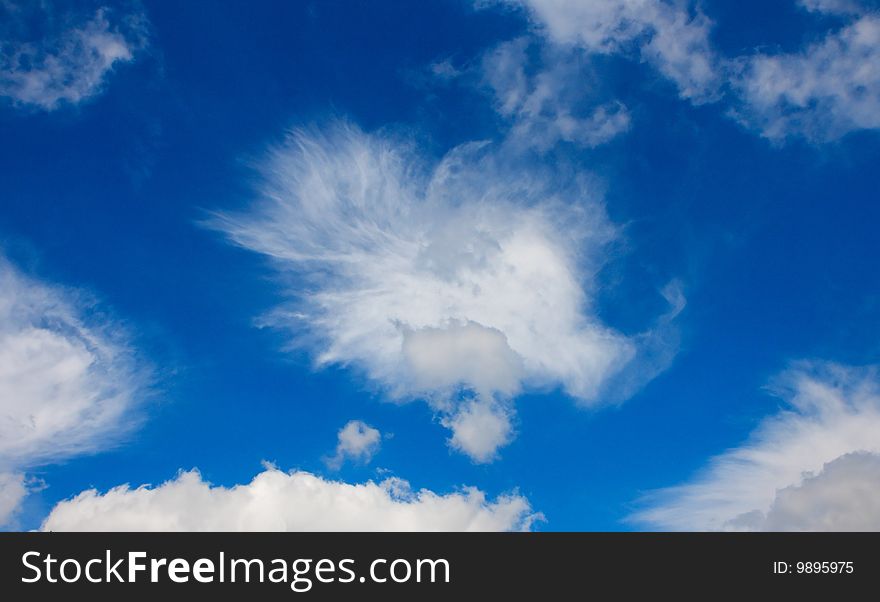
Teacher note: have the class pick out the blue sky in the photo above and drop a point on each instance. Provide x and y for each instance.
(721, 153)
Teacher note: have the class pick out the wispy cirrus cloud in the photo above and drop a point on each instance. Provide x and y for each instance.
(295, 501)
(64, 59)
(671, 36)
(813, 466)
(551, 103)
(69, 383)
(836, 7)
(821, 93)
(461, 282)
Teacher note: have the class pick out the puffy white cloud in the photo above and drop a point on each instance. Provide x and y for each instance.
(844, 496)
(672, 36)
(13, 490)
(479, 427)
(67, 386)
(544, 107)
(799, 470)
(829, 89)
(66, 66)
(451, 281)
(296, 501)
(441, 358)
(357, 441)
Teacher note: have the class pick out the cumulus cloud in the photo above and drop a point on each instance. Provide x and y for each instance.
(813, 466)
(296, 501)
(822, 93)
(844, 496)
(671, 36)
(357, 441)
(479, 427)
(64, 65)
(68, 386)
(462, 352)
(545, 106)
(460, 282)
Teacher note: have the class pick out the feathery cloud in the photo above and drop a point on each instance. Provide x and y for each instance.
(68, 383)
(460, 282)
(785, 475)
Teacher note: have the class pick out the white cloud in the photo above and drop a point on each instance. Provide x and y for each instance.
(841, 7)
(296, 501)
(13, 490)
(480, 426)
(795, 471)
(67, 66)
(822, 93)
(448, 281)
(67, 386)
(671, 36)
(357, 441)
(441, 358)
(844, 496)
(544, 107)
